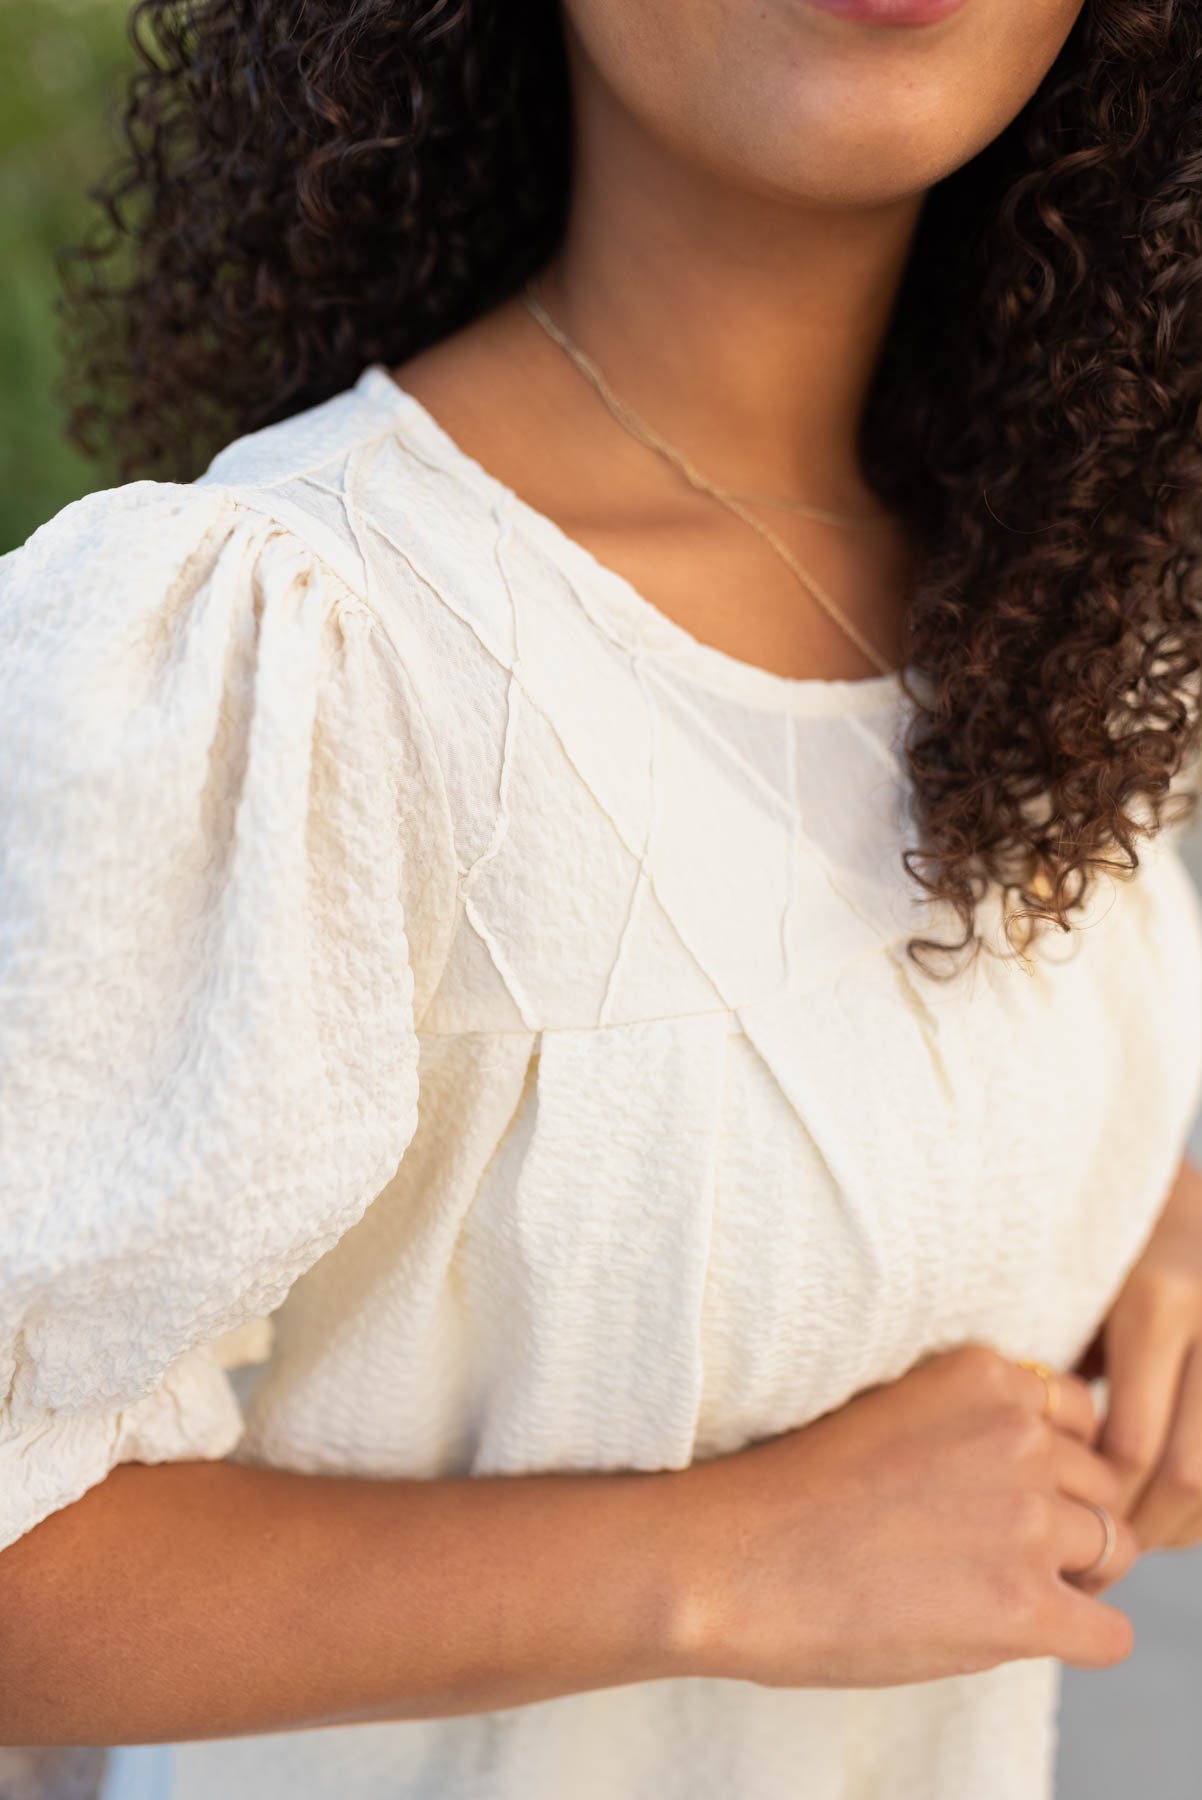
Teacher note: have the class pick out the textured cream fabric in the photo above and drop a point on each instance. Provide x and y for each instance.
(429, 970)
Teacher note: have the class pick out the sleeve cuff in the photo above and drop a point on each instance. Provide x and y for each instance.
(193, 1413)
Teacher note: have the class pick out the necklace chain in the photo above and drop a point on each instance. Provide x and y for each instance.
(734, 501)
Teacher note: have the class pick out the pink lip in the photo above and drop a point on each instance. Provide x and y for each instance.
(892, 12)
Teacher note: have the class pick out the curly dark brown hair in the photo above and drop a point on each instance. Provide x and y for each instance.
(313, 186)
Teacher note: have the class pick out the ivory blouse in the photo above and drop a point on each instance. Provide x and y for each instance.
(438, 983)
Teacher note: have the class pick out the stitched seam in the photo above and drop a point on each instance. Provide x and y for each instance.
(350, 599)
(737, 1028)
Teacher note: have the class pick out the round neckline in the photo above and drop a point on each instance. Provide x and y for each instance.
(647, 628)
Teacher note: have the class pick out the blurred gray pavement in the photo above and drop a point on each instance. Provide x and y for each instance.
(1135, 1732)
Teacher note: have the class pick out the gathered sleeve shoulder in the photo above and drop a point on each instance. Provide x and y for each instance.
(225, 875)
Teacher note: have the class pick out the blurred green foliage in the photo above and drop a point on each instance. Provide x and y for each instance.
(62, 70)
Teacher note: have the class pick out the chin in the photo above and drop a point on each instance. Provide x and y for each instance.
(795, 100)
(862, 156)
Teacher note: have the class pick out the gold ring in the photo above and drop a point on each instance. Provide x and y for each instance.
(1050, 1383)
(1107, 1550)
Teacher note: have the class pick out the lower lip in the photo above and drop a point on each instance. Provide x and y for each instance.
(892, 12)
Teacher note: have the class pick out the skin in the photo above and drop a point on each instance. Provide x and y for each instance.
(932, 1526)
(1149, 1347)
(746, 191)
(747, 184)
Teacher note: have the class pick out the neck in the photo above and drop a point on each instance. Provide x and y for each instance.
(744, 325)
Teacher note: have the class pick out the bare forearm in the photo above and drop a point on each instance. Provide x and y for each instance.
(195, 1600)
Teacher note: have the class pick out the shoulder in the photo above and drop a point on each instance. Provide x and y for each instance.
(287, 481)
(298, 471)
(381, 493)
(365, 488)
(122, 566)
(167, 615)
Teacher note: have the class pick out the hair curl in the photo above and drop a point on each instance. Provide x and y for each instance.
(309, 187)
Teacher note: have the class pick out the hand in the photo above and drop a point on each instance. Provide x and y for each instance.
(931, 1526)
(1150, 1349)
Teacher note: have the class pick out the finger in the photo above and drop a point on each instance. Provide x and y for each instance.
(1083, 1473)
(1073, 1409)
(1188, 1535)
(1081, 1539)
(1144, 1355)
(1173, 1496)
(1089, 1633)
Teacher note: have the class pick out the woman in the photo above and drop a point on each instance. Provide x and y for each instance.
(532, 890)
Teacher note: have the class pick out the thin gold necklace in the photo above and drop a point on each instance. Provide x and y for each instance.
(728, 497)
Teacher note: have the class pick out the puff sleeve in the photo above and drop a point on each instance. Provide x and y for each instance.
(208, 1062)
